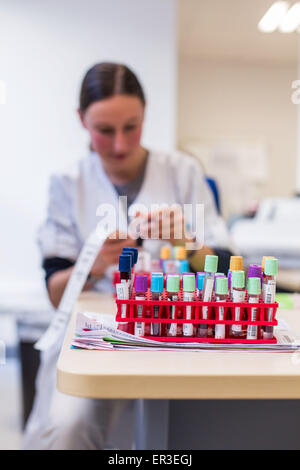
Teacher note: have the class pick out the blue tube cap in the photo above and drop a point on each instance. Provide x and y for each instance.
(125, 263)
(132, 250)
(157, 283)
(183, 266)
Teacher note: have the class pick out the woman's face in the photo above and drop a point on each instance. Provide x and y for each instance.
(115, 128)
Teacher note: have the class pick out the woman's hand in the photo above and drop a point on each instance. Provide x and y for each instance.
(164, 224)
(110, 252)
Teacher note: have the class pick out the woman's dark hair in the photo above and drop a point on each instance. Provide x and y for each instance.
(108, 79)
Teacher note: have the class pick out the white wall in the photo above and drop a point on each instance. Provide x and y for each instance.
(45, 49)
(248, 102)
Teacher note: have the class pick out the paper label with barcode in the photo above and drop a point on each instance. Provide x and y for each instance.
(220, 329)
(252, 329)
(173, 326)
(207, 294)
(269, 291)
(237, 296)
(139, 327)
(187, 328)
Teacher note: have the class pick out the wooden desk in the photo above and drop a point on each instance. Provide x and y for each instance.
(175, 375)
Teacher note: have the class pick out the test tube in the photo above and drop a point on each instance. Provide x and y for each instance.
(238, 295)
(236, 264)
(165, 254)
(221, 291)
(125, 267)
(210, 268)
(141, 286)
(157, 287)
(134, 252)
(183, 266)
(188, 289)
(269, 291)
(199, 284)
(173, 285)
(122, 290)
(254, 291)
(255, 270)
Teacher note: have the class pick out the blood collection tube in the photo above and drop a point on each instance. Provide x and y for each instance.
(165, 254)
(183, 266)
(188, 289)
(254, 291)
(122, 290)
(210, 268)
(255, 270)
(263, 261)
(125, 266)
(173, 285)
(140, 286)
(238, 295)
(221, 292)
(133, 251)
(269, 291)
(157, 287)
(236, 264)
(199, 284)
(181, 261)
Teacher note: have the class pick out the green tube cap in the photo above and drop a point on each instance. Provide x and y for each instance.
(271, 266)
(221, 285)
(211, 264)
(188, 283)
(238, 279)
(173, 283)
(254, 286)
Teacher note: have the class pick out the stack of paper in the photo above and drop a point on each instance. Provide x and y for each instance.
(99, 331)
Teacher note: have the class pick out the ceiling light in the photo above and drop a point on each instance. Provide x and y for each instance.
(271, 20)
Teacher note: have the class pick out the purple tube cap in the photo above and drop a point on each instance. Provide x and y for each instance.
(254, 270)
(141, 283)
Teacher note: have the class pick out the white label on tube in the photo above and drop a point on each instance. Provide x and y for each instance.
(269, 290)
(128, 282)
(220, 329)
(207, 294)
(139, 327)
(173, 326)
(252, 329)
(187, 328)
(123, 294)
(237, 296)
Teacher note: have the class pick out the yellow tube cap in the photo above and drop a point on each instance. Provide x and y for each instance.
(181, 252)
(236, 263)
(165, 252)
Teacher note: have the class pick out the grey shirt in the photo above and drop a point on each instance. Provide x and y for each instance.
(132, 188)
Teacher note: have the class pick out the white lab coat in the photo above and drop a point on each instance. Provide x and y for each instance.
(75, 197)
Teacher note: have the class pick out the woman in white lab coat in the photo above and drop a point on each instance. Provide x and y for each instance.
(112, 106)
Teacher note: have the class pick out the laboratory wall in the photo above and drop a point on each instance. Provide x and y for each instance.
(247, 106)
(45, 49)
